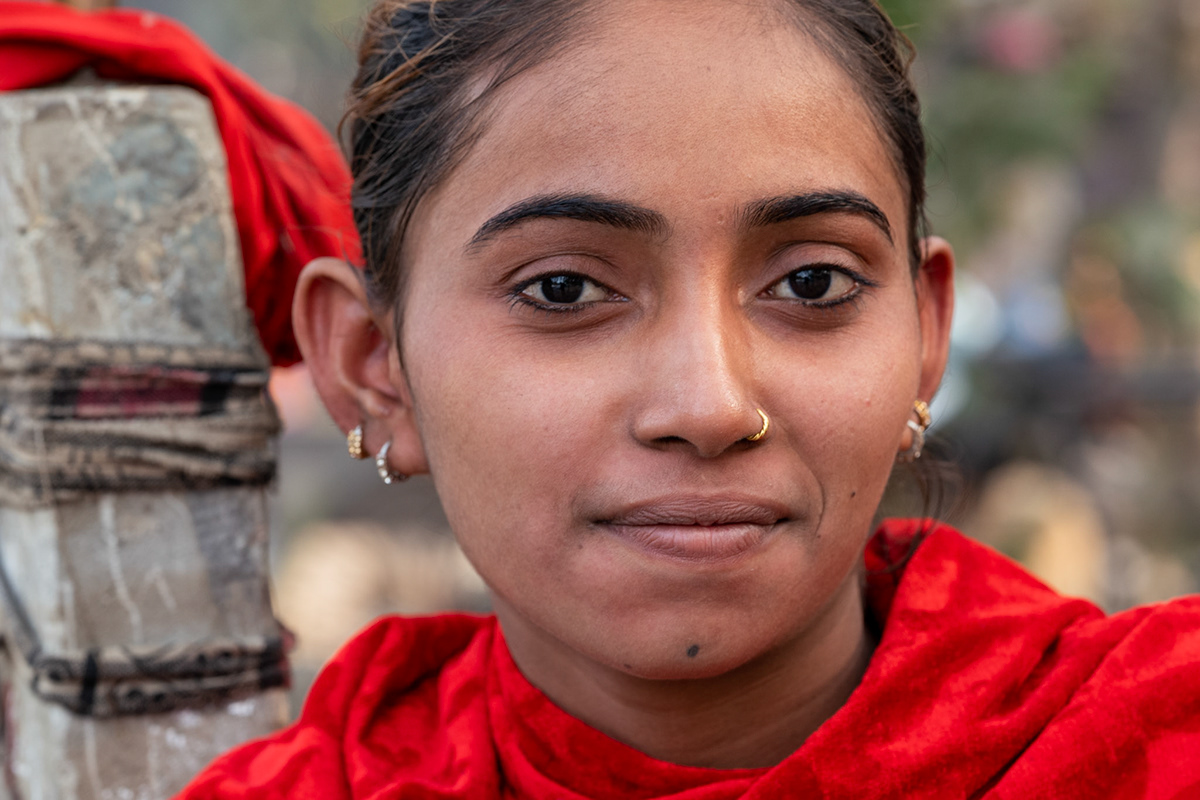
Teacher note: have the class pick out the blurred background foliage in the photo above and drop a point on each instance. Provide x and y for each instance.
(303, 50)
(1065, 168)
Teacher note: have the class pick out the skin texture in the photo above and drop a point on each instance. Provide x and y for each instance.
(554, 437)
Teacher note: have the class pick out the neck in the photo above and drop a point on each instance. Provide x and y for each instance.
(753, 716)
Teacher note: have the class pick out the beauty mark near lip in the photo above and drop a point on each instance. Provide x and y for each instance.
(696, 529)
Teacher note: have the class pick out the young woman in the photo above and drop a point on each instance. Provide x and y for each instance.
(647, 294)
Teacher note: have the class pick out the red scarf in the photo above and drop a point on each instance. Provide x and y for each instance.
(985, 684)
(289, 184)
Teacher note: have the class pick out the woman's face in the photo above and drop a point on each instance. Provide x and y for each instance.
(684, 218)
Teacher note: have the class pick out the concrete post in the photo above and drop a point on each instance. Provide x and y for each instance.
(116, 233)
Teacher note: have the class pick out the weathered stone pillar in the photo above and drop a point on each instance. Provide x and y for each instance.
(136, 439)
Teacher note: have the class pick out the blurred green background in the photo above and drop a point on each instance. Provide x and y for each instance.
(1065, 168)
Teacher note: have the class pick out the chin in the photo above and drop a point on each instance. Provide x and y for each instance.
(674, 668)
(680, 650)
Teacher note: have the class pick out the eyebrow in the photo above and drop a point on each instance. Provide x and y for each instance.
(782, 209)
(620, 214)
(583, 207)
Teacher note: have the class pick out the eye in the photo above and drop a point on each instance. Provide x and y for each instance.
(817, 285)
(563, 289)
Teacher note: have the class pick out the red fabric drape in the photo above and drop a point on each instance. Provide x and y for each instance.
(289, 184)
(985, 684)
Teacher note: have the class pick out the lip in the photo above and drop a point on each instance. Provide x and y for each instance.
(697, 528)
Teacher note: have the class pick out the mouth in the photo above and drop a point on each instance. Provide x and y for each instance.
(697, 528)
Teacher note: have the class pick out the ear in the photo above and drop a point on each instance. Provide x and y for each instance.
(353, 359)
(935, 305)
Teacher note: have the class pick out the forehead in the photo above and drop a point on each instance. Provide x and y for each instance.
(686, 107)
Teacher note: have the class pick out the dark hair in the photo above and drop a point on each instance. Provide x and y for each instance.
(428, 69)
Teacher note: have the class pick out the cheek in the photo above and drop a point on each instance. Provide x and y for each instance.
(506, 437)
(847, 408)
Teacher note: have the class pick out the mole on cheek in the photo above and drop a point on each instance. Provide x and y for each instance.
(693, 650)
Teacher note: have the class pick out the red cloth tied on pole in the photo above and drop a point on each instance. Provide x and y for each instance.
(289, 183)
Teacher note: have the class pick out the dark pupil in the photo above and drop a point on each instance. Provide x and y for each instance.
(562, 288)
(811, 284)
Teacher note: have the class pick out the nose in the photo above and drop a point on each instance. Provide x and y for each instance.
(698, 387)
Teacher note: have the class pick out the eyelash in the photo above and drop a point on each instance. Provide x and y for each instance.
(521, 300)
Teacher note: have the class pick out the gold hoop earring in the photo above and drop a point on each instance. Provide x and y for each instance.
(762, 432)
(918, 427)
(385, 472)
(354, 443)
